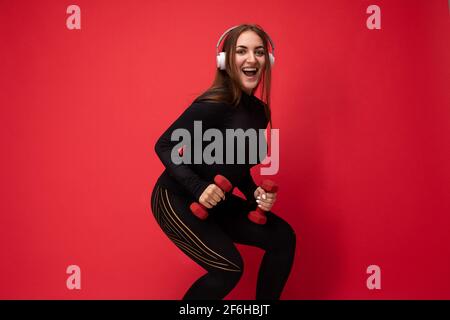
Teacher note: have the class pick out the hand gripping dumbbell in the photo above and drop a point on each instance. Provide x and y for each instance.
(259, 215)
(199, 210)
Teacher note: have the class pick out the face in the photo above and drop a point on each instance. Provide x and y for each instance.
(250, 60)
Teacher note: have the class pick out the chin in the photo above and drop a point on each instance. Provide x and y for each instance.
(248, 88)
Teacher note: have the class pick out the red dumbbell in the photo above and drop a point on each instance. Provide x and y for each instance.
(199, 210)
(259, 215)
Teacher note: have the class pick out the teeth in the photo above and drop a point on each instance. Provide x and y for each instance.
(249, 69)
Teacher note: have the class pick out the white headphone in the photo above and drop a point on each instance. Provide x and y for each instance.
(221, 56)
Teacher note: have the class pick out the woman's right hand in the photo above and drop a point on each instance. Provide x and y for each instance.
(211, 196)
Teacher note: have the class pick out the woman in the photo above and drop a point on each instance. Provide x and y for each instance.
(245, 63)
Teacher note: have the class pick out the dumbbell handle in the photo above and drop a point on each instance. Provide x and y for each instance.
(258, 216)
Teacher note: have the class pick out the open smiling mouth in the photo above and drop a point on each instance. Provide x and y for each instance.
(250, 72)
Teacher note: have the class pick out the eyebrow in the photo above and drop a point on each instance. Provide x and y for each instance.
(259, 47)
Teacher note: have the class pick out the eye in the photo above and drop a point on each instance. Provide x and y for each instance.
(240, 51)
(260, 53)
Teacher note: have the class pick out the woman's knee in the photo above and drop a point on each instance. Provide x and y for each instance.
(285, 236)
(225, 278)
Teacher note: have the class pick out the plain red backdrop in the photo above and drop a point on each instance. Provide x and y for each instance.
(364, 123)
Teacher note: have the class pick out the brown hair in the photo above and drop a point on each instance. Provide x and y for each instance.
(226, 87)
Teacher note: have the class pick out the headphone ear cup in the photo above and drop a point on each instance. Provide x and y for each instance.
(272, 59)
(221, 60)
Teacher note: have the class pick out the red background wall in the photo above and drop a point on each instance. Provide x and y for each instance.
(364, 123)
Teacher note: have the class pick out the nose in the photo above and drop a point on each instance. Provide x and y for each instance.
(251, 57)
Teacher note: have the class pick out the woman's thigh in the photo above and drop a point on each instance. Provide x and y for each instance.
(202, 240)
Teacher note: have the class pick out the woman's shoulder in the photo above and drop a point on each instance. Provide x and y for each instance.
(209, 109)
(258, 101)
(210, 104)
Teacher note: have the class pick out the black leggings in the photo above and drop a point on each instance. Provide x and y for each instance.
(210, 243)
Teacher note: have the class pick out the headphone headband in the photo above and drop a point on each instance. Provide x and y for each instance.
(226, 32)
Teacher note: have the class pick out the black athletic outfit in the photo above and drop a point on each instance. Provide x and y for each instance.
(210, 242)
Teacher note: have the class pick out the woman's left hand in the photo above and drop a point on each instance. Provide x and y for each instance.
(265, 199)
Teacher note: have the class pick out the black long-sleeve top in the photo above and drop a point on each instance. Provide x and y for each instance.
(192, 179)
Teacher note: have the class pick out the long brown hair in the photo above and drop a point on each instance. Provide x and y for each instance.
(226, 86)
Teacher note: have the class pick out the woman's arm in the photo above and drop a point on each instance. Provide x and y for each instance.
(209, 114)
